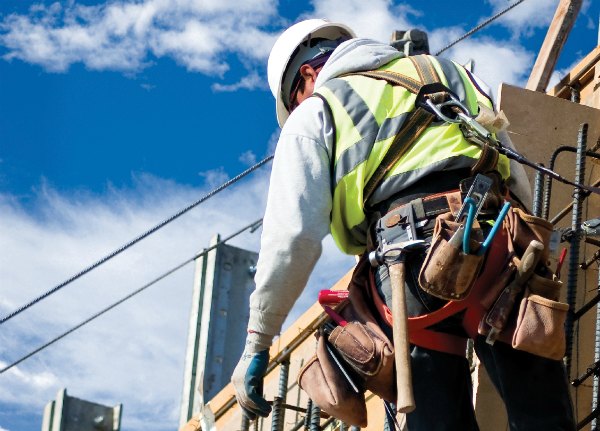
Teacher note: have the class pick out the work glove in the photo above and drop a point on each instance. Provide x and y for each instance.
(248, 376)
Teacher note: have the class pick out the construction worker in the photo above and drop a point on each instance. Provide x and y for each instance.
(335, 126)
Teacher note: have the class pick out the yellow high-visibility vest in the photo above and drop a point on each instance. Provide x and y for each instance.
(367, 114)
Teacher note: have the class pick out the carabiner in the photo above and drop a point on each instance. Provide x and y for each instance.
(463, 117)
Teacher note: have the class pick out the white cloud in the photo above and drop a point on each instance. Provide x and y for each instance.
(134, 354)
(201, 35)
(249, 82)
(360, 16)
(248, 158)
(494, 62)
(124, 35)
(214, 177)
(526, 17)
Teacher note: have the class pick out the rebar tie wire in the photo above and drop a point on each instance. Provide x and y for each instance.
(479, 27)
(136, 240)
(252, 227)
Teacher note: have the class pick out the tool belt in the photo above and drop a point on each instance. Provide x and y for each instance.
(477, 287)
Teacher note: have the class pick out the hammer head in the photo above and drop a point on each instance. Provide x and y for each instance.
(395, 251)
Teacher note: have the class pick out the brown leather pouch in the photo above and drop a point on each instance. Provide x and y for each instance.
(447, 272)
(370, 355)
(363, 350)
(327, 387)
(523, 228)
(536, 321)
(541, 327)
(378, 370)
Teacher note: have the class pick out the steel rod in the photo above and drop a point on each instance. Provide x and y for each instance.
(574, 243)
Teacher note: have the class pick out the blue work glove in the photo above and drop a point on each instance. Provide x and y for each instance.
(248, 378)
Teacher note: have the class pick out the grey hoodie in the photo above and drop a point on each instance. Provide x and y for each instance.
(298, 208)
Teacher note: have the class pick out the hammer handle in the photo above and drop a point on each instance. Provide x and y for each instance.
(405, 402)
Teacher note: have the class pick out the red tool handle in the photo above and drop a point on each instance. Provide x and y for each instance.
(332, 296)
(334, 316)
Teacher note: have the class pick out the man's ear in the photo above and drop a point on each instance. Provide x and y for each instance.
(308, 73)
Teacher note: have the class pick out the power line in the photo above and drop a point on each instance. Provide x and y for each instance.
(135, 240)
(252, 227)
(480, 26)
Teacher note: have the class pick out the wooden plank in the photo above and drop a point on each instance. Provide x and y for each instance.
(585, 78)
(559, 29)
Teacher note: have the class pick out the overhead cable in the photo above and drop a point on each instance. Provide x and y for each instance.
(136, 240)
(252, 227)
(480, 26)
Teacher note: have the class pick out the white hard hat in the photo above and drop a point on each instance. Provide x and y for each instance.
(280, 59)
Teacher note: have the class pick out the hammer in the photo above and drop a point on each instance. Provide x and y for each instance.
(393, 255)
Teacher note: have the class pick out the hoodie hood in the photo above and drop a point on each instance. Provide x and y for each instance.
(356, 55)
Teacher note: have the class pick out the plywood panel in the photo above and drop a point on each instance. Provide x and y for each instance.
(539, 125)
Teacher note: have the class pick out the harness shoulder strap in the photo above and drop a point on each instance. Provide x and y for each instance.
(417, 122)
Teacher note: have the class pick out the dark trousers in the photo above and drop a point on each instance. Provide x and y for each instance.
(535, 390)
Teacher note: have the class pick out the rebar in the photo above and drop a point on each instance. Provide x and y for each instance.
(537, 194)
(548, 182)
(574, 242)
(278, 415)
(593, 369)
(594, 415)
(596, 386)
(575, 94)
(309, 407)
(315, 418)
(245, 423)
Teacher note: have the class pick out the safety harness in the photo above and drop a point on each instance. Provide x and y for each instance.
(435, 102)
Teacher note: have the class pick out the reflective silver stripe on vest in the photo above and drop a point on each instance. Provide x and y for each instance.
(363, 121)
(365, 124)
(396, 183)
(455, 82)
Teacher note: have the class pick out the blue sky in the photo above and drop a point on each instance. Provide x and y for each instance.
(114, 115)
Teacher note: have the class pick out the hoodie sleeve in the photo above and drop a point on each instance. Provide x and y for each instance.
(296, 217)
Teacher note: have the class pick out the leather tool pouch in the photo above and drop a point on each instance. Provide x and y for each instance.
(448, 273)
(328, 388)
(364, 346)
(540, 325)
(362, 349)
(523, 228)
(537, 324)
